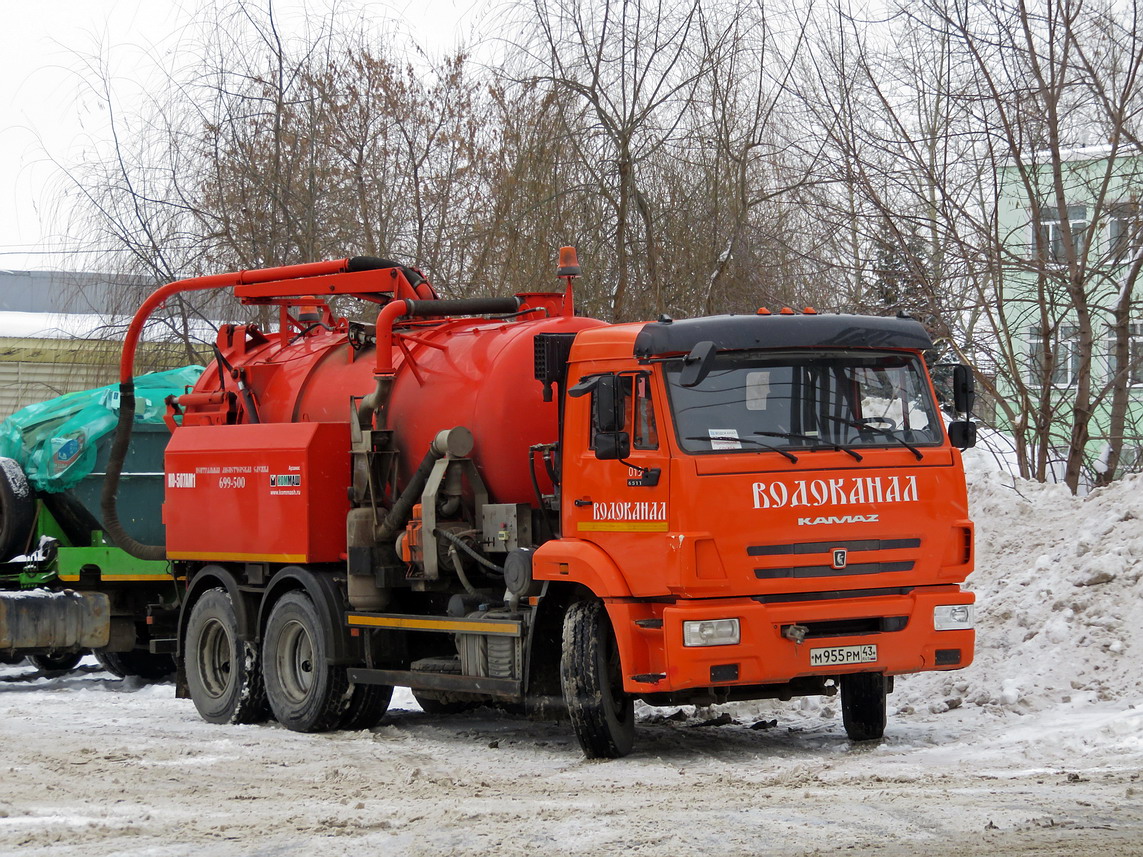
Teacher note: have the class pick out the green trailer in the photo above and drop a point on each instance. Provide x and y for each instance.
(64, 588)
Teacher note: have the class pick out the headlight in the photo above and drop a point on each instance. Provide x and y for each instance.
(711, 632)
(954, 617)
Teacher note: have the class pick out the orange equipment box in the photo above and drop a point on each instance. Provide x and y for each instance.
(267, 492)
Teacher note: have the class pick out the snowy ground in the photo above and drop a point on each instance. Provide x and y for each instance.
(1036, 749)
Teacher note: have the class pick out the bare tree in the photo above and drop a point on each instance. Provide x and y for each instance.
(962, 129)
(631, 67)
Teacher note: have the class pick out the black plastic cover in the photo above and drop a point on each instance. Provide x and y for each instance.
(373, 263)
(742, 332)
(551, 352)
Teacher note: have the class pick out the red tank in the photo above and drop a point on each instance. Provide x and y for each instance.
(471, 372)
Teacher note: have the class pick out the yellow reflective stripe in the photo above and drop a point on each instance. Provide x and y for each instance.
(458, 625)
(251, 557)
(622, 526)
(75, 578)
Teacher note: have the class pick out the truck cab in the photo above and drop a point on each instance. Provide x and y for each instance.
(763, 506)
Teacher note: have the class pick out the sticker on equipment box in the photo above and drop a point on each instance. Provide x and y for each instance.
(286, 484)
(839, 656)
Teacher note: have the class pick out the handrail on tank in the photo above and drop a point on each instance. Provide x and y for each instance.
(215, 281)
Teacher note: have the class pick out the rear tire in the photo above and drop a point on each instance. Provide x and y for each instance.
(602, 715)
(863, 705)
(145, 665)
(57, 663)
(306, 694)
(222, 669)
(110, 663)
(367, 706)
(17, 510)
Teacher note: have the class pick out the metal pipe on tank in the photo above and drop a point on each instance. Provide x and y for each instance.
(455, 443)
(383, 368)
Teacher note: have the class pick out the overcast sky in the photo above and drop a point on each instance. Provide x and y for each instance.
(46, 112)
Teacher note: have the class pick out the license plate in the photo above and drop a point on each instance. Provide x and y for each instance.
(839, 656)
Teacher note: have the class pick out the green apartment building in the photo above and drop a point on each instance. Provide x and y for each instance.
(1069, 245)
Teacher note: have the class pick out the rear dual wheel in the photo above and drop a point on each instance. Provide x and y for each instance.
(230, 681)
(305, 692)
(222, 669)
(145, 665)
(367, 706)
(57, 662)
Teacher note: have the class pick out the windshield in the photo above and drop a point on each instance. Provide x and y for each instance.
(752, 401)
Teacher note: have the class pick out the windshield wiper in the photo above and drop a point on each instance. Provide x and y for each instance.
(767, 446)
(789, 435)
(864, 426)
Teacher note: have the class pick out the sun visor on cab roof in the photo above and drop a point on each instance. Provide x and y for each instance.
(742, 332)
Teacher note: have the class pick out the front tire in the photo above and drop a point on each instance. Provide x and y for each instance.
(863, 705)
(306, 694)
(222, 669)
(602, 715)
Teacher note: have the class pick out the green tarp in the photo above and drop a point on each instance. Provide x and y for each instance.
(55, 441)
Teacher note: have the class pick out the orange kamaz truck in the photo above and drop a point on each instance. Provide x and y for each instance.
(496, 500)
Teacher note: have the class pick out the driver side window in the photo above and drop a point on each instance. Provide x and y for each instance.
(634, 410)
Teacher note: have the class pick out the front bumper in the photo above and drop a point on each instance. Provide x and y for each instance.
(655, 660)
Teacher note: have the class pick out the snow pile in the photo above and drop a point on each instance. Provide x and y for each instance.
(1059, 598)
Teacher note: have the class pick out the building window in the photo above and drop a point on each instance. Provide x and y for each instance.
(1052, 233)
(1134, 355)
(1123, 234)
(1064, 351)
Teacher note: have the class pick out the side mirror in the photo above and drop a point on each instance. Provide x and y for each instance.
(612, 446)
(607, 406)
(962, 434)
(964, 389)
(697, 364)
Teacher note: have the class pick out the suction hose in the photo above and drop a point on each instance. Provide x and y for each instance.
(122, 441)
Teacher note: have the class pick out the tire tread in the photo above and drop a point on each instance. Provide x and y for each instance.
(319, 713)
(863, 705)
(601, 735)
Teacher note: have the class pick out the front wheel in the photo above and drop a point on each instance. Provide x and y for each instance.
(863, 705)
(602, 715)
(306, 694)
(221, 668)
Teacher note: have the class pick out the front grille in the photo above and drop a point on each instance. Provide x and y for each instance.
(826, 547)
(843, 552)
(830, 595)
(830, 571)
